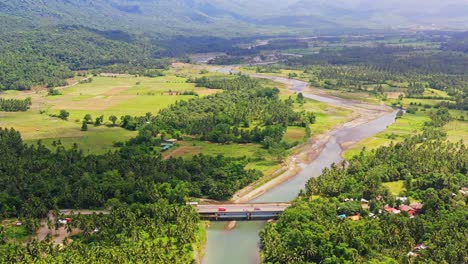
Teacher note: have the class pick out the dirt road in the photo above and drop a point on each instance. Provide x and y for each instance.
(61, 233)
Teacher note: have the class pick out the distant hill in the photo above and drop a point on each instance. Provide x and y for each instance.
(238, 17)
(40, 38)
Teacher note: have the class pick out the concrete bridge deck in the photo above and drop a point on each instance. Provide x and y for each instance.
(241, 211)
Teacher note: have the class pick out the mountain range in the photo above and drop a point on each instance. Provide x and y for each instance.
(235, 17)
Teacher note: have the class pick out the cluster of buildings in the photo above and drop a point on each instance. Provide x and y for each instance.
(411, 209)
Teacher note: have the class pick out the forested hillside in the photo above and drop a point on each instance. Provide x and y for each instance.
(177, 17)
(47, 56)
(356, 218)
(50, 38)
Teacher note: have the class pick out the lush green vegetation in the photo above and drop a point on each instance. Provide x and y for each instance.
(317, 231)
(24, 68)
(384, 70)
(15, 105)
(328, 223)
(104, 96)
(244, 113)
(35, 179)
(146, 195)
(47, 57)
(161, 232)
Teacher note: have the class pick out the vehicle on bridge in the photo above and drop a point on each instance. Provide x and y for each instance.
(260, 211)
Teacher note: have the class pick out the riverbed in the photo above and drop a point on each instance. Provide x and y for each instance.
(241, 245)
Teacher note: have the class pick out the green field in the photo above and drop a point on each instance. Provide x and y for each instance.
(281, 72)
(135, 96)
(434, 92)
(395, 187)
(260, 158)
(12, 232)
(294, 134)
(407, 125)
(125, 95)
(457, 130)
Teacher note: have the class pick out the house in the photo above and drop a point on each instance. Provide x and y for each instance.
(464, 191)
(410, 210)
(165, 147)
(412, 254)
(355, 218)
(402, 199)
(416, 206)
(342, 216)
(365, 204)
(419, 247)
(392, 210)
(170, 141)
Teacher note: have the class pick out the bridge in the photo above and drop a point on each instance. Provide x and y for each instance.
(223, 212)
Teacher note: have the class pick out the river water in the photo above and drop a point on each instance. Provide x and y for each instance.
(240, 245)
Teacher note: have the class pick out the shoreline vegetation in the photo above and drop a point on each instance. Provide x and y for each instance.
(305, 153)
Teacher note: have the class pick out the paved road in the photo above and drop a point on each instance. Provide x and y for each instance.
(239, 208)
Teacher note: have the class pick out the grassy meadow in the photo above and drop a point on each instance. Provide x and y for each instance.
(410, 124)
(126, 95)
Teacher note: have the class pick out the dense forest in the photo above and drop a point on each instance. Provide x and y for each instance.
(356, 217)
(23, 69)
(399, 59)
(48, 56)
(34, 179)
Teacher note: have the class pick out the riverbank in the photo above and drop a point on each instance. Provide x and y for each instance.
(306, 153)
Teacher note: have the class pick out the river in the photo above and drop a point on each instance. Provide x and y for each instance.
(240, 245)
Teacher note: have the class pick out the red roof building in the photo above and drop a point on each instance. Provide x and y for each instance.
(392, 210)
(410, 210)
